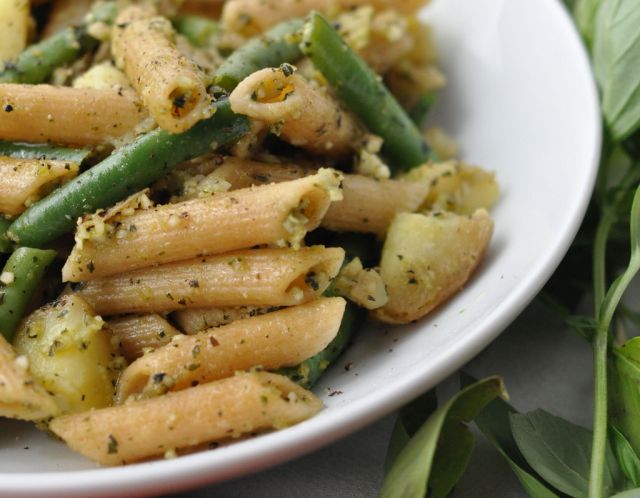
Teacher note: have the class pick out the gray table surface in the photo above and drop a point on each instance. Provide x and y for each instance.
(544, 364)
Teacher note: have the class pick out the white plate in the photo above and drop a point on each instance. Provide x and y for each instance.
(520, 100)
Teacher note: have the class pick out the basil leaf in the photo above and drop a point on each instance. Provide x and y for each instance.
(560, 452)
(630, 493)
(626, 456)
(409, 420)
(493, 422)
(584, 13)
(616, 55)
(411, 468)
(624, 395)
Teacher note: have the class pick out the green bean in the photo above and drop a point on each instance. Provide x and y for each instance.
(309, 371)
(43, 151)
(5, 243)
(276, 46)
(38, 61)
(363, 92)
(420, 110)
(201, 31)
(125, 172)
(21, 275)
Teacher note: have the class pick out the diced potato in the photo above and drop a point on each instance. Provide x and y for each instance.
(70, 353)
(14, 28)
(101, 76)
(21, 396)
(427, 259)
(456, 186)
(363, 286)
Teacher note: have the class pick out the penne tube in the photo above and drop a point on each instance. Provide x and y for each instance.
(256, 277)
(389, 41)
(229, 408)
(207, 8)
(275, 340)
(21, 396)
(249, 17)
(83, 116)
(24, 181)
(272, 214)
(369, 205)
(170, 85)
(299, 112)
(15, 21)
(196, 320)
(355, 212)
(139, 334)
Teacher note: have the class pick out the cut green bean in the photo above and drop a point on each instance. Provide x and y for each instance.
(363, 91)
(278, 45)
(38, 61)
(18, 282)
(419, 112)
(309, 371)
(126, 171)
(201, 31)
(5, 243)
(43, 151)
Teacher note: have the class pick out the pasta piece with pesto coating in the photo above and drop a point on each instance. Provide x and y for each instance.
(138, 334)
(427, 259)
(21, 396)
(283, 338)
(255, 277)
(170, 85)
(83, 116)
(298, 111)
(196, 320)
(272, 214)
(229, 408)
(24, 181)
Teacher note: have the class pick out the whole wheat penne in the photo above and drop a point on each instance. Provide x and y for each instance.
(250, 17)
(280, 339)
(228, 408)
(14, 28)
(170, 85)
(207, 8)
(369, 205)
(138, 334)
(256, 277)
(279, 213)
(21, 396)
(389, 40)
(299, 112)
(24, 181)
(196, 320)
(41, 113)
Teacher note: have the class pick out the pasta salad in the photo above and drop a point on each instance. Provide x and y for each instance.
(202, 201)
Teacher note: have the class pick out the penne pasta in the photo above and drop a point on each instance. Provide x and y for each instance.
(43, 113)
(299, 112)
(21, 396)
(256, 277)
(24, 181)
(355, 212)
(228, 408)
(15, 20)
(280, 339)
(272, 214)
(139, 334)
(196, 320)
(170, 85)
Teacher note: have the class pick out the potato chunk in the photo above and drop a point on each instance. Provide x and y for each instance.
(427, 258)
(456, 186)
(21, 396)
(69, 353)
